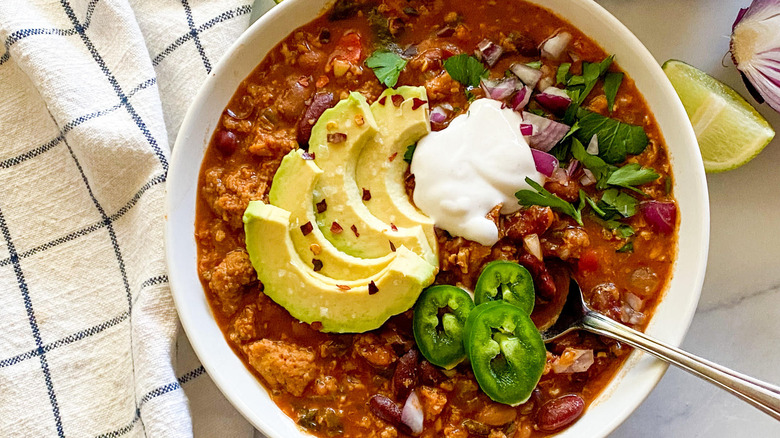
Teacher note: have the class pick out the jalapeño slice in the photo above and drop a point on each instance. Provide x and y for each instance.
(439, 319)
(506, 352)
(507, 281)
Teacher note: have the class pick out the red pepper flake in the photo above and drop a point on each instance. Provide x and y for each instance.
(317, 264)
(335, 228)
(397, 99)
(372, 289)
(354, 230)
(322, 206)
(343, 287)
(366, 195)
(392, 157)
(306, 228)
(316, 325)
(307, 156)
(416, 103)
(337, 137)
(393, 227)
(383, 100)
(392, 247)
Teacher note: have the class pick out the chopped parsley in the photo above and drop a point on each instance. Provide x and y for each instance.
(387, 66)
(614, 202)
(410, 152)
(544, 198)
(616, 139)
(622, 230)
(563, 76)
(599, 167)
(466, 69)
(611, 85)
(631, 175)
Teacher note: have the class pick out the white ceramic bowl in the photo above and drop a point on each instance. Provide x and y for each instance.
(669, 323)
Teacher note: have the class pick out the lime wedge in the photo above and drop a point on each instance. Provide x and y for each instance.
(729, 130)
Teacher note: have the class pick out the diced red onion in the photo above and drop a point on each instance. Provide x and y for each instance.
(545, 163)
(631, 316)
(573, 361)
(521, 98)
(412, 413)
(533, 246)
(559, 175)
(489, 52)
(662, 216)
(499, 89)
(556, 45)
(529, 75)
(526, 129)
(554, 99)
(755, 50)
(572, 168)
(593, 146)
(438, 114)
(635, 302)
(547, 133)
(588, 179)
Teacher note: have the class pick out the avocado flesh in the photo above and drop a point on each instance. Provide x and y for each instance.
(381, 167)
(291, 190)
(311, 297)
(337, 185)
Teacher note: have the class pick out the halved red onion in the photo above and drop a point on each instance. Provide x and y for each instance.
(588, 179)
(526, 129)
(412, 413)
(662, 216)
(556, 45)
(593, 146)
(554, 99)
(438, 114)
(755, 50)
(488, 51)
(573, 360)
(499, 89)
(545, 163)
(521, 99)
(529, 75)
(547, 133)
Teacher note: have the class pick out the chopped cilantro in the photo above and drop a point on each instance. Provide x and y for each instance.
(668, 184)
(546, 199)
(410, 152)
(611, 85)
(628, 247)
(622, 230)
(614, 201)
(631, 175)
(601, 170)
(616, 139)
(387, 66)
(535, 64)
(465, 69)
(585, 199)
(562, 77)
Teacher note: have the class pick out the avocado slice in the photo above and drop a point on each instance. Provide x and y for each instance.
(337, 139)
(291, 190)
(401, 122)
(340, 306)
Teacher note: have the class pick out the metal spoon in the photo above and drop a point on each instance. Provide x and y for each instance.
(576, 315)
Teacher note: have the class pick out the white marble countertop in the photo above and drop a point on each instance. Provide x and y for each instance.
(738, 320)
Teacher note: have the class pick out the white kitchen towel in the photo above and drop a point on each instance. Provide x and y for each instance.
(92, 93)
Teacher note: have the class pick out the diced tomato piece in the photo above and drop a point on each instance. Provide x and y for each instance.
(589, 260)
(349, 48)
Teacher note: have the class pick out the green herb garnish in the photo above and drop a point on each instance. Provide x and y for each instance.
(614, 201)
(628, 247)
(622, 230)
(631, 175)
(585, 199)
(562, 77)
(387, 66)
(466, 69)
(611, 85)
(546, 199)
(535, 64)
(616, 139)
(601, 170)
(410, 153)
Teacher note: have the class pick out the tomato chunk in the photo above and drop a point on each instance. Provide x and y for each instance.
(589, 260)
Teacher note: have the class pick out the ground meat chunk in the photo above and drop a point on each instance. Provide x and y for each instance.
(243, 327)
(441, 86)
(565, 244)
(275, 143)
(229, 193)
(463, 257)
(433, 401)
(531, 220)
(568, 191)
(374, 350)
(283, 365)
(229, 278)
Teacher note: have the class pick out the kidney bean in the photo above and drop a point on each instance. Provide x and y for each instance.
(430, 374)
(560, 412)
(406, 375)
(545, 285)
(319, 103)
(226, 142)
(387, 410)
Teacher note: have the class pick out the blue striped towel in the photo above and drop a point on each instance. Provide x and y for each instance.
(92, 93)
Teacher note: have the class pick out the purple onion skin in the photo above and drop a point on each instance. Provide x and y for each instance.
(319, 103)
(662, 216)
(545, 163)
(553, 103)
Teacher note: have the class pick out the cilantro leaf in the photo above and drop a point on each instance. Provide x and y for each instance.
(387, 66)
(601, 170)
(546, 199)
(623, 231)
(615, 201)
(611, 85)
(465, 69)
(616, 139)
(563, 76)
(535, 64)
(630, 175)
(596, 209)
(410, 152)
(628, 247)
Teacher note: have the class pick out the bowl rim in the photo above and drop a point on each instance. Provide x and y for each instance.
(177, 196)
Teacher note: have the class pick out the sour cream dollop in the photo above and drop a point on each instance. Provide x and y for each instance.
(463, 171)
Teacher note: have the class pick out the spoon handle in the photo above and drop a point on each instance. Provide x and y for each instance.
(762, 395)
